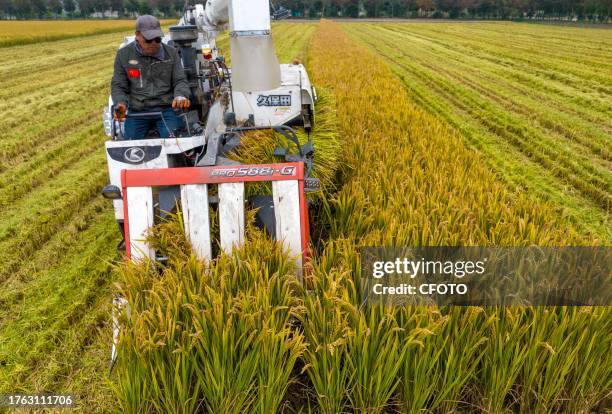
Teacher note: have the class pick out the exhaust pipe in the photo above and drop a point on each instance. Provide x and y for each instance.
(255, 66)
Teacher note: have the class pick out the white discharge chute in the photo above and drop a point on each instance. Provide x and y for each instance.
(255, 66)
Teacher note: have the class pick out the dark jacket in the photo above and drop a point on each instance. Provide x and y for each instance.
(144, 82)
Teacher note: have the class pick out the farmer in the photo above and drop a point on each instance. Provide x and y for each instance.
(149, 77)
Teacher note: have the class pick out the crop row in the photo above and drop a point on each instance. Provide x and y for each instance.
(572, 64)
(58, 234)
(527, 98)
(58, 248)
(484, 104)
(487, 62)
(548, 150)
(459, 70)
(475, 41)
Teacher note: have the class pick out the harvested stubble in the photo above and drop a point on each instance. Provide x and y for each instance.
(406, 179)
(57, 235)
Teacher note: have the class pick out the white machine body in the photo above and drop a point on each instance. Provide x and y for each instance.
(277, 106)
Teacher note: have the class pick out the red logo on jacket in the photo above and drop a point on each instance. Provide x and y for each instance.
(133, 73)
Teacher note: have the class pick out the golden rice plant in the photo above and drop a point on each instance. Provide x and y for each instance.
(566, 368)
(326, 331)
(214, 337)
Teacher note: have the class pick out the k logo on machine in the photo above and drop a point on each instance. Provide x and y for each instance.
(134, 155)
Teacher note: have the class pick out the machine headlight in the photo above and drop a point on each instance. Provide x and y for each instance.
(112, 192)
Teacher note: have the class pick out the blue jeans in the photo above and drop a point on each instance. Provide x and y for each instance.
(136, 128)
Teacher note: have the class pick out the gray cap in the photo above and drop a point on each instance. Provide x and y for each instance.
(149, 26)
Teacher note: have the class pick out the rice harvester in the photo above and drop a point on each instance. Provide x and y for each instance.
(149, 176)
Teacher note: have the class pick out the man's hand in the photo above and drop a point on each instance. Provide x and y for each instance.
(180, 102)
(120, 110)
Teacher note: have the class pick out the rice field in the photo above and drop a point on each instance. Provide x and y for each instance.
(444, 134)
(19, 32)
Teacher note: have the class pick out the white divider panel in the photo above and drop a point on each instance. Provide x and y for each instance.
(194, 201)
(286, 195)
(231, 215)
(140, 219)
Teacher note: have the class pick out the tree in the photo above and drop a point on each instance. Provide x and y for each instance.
(7, 9)
(166, 7)
(69, 7)
(118, 6)
(450, 6)
(131, 6)
(351, 9)
(144, 7)
(101, 5)
(426, 5)
(469, 6)
(325, 7)
(178, 5)
(371, 7)
(56, 7)
(505, 9)
(23, 9)
(86, 7)
(39, 8)
(484, 8)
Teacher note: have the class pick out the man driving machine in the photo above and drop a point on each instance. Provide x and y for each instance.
(149, 77)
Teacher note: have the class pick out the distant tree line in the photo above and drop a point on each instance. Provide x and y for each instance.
(49, 9)
(572, 10)
(593, 10)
